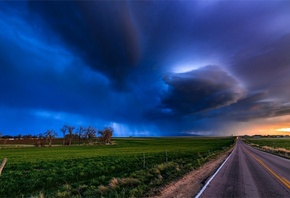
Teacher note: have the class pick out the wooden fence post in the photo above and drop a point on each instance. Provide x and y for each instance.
(144, 161)
(166, 156)
(2, 165)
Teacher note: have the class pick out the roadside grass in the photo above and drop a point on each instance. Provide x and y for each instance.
(129, 168)
(279, 146)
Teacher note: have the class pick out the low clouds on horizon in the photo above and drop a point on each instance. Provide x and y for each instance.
(144, 67)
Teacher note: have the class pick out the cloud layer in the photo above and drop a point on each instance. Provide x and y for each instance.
(144, 67)
(200, 90)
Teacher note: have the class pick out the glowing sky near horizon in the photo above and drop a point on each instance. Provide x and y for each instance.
(284, 129)
(145, 68)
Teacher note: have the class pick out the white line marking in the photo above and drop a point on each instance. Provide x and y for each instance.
(207, 183)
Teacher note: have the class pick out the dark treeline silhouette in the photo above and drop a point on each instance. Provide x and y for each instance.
(69, 133)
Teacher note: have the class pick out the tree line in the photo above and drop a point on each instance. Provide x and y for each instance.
(69, 133)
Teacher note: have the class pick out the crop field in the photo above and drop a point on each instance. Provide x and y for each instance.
(131, 167)
(271, 142)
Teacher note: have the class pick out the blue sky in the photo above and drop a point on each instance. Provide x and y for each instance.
(145, 68)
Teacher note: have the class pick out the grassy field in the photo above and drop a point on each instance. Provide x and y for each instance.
(129, 168)
(277, 146)
(271, 142)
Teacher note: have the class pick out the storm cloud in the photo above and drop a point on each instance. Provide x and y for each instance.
(102, 33)
(200, 90)
(144, 67)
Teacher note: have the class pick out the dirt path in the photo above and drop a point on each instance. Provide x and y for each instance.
(190, 184)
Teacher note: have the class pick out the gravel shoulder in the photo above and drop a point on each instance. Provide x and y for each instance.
(191, 183)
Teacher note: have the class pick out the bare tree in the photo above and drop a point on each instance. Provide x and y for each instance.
(70, 133)
(80, 132)
(67, 129)
(50, 135)
(90, 133)
(63, 130)
(106, 135)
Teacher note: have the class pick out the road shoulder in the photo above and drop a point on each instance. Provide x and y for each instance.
(191, 183)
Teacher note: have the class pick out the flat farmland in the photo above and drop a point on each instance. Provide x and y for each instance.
(271, 142)
(277, 146)
(131, 167)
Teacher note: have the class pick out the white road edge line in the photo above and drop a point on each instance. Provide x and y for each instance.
(207, 183)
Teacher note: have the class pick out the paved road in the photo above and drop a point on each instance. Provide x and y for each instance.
(251, 173)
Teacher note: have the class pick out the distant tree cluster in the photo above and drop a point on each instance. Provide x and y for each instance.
(69, 133)
(106, 135)
(19, 136)
(89, 134)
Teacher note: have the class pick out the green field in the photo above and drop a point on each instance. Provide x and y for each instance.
(271, 142)
(129, 168)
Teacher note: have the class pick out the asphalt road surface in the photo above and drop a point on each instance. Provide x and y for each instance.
(251, 173)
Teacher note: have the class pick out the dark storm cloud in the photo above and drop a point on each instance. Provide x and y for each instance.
(45, 87)
(255, 105)
(196, 29)
(264, 71)
(267, 68)
(116, 62)
(102, 33)
(49, 82)
(117, 38)
(200, 90)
